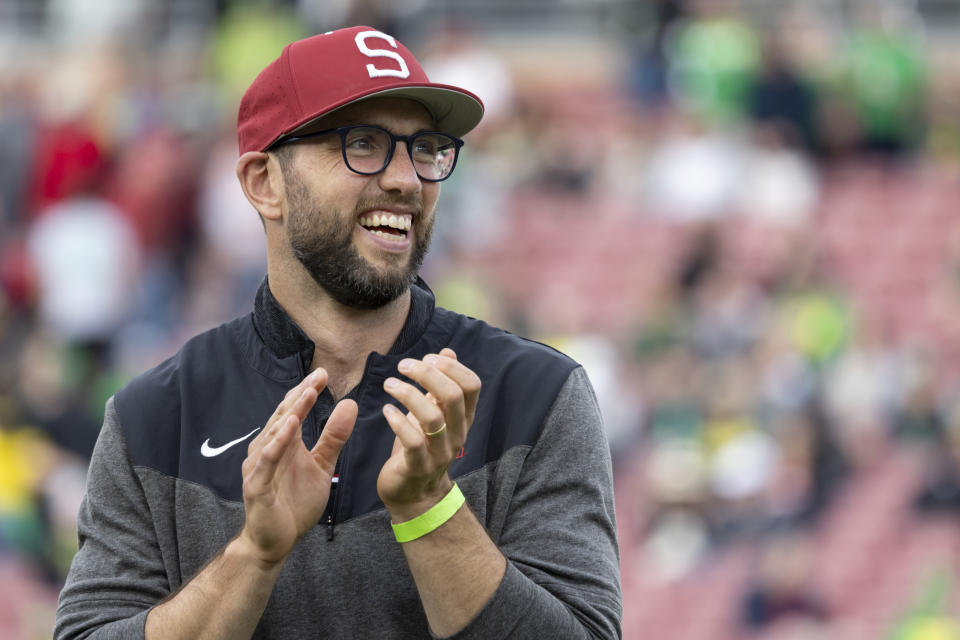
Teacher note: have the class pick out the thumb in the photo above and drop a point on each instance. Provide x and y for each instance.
(335, 434)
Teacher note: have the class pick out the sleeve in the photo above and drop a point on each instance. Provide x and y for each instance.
(117, 573)
(560, 538)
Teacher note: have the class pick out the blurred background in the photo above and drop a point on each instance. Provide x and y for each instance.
(743, 217)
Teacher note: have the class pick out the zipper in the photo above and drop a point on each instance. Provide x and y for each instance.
(316, 429)
(332, 501)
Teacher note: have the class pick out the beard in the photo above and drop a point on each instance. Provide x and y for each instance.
(323, 243)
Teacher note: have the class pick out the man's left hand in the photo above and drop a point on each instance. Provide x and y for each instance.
(414, 478)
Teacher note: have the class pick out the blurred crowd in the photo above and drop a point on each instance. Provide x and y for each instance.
(742, 221)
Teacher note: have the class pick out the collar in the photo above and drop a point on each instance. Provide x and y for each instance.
(285, 338)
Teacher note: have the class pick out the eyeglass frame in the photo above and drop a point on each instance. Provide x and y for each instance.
(344, 130)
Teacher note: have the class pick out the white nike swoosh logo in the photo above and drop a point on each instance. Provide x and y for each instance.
(208, 452)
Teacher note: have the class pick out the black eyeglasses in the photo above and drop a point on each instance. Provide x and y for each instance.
(367, 149)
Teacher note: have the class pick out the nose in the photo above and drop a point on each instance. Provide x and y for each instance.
(400, 174)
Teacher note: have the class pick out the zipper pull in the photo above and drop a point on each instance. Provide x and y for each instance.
(330, 527)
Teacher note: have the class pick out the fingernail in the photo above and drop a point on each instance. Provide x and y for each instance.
(405, 365)
(390, 409)
(430, 360)
(390, 383)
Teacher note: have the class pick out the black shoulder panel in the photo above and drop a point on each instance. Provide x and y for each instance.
(148, 408)
(187, 408)
(521, 379)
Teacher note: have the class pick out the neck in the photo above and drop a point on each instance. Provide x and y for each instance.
(343, 337)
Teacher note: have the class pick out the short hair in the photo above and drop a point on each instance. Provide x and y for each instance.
(284, 155)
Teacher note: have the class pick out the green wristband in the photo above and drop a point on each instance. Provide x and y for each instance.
(432, 518)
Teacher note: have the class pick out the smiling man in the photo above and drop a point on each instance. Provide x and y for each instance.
(349, 460)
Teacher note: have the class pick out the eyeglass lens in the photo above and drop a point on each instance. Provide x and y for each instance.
(367, 151)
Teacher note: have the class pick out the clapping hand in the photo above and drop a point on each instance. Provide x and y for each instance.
(429, 435)
(286, 486)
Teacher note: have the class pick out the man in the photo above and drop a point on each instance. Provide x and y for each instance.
(344, 520)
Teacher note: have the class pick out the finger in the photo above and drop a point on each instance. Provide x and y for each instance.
(429, 414)
(317, 380)
(441, 387)
(298, 400)
(266, 461)
(458, 399)
(335, 434)
(314, 382)
(409, 435)
(304, 403)
(299, 409)
(463, 376)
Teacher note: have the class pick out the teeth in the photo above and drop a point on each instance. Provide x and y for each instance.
(402, 222)
(388, 236)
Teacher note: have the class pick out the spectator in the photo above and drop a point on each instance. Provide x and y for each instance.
(781, 587)
(886, 79)
(714, 56)
(782, 99)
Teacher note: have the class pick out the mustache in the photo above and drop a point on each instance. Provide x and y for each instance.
(413, 204)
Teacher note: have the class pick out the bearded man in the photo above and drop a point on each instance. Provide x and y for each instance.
(349, 460)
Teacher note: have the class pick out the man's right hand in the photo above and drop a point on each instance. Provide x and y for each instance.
(285, 490)
(285, 486)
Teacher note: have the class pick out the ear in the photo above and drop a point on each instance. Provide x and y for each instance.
(262, 182)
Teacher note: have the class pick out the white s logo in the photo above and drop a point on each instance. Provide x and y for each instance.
(402, 72)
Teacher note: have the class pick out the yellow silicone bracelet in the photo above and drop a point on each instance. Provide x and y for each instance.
(430, 519)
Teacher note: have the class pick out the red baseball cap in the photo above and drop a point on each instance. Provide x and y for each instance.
(317, 75)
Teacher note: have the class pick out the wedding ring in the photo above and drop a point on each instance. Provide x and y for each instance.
(436, 433)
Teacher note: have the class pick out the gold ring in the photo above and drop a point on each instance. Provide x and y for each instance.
(436, 433)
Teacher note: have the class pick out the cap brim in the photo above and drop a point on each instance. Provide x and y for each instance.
(454, 110)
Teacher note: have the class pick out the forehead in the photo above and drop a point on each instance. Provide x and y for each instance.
(400, 115)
